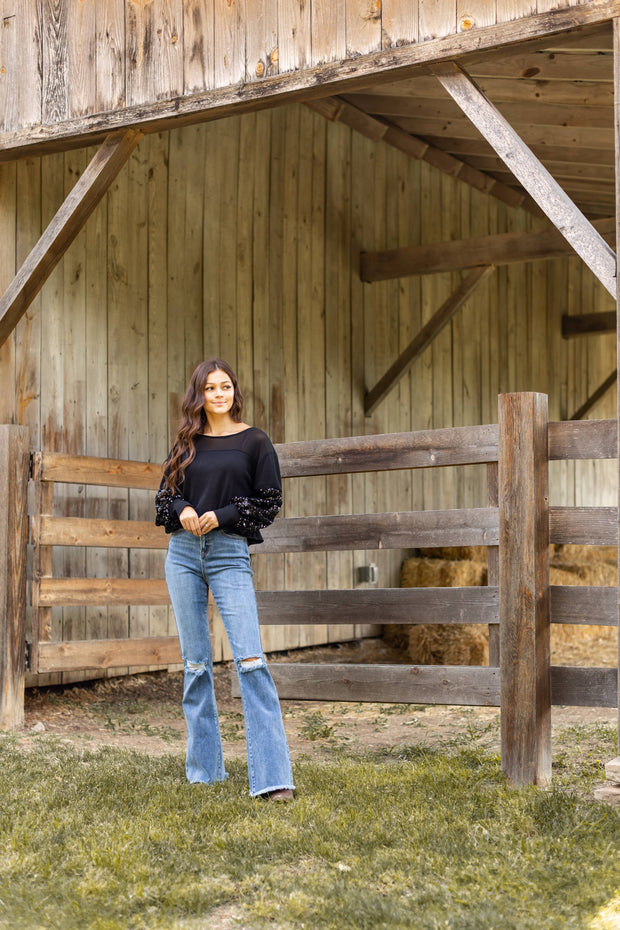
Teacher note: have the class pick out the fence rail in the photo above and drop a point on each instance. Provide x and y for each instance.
(517, 527)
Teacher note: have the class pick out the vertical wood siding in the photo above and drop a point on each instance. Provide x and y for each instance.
(242, 238)
(62, 59)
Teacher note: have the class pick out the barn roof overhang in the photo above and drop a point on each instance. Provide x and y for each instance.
(496, 107)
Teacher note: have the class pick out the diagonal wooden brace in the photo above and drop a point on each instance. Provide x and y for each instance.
(532, 174)
(64, 227)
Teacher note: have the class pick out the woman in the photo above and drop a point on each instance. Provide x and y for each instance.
(222, 484)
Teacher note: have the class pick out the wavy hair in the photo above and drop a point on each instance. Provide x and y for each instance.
(194, 419)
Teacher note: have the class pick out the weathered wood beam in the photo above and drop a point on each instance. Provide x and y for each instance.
(323, 80)
(424, 338)
(524, 588)
(534, 177)
(64, 227)
(14, 459)
(595, 396)
(336, 109)
(587, 324)
(502, 249)
(617, 296)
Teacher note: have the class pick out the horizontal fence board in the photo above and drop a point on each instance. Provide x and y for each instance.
(99, 592)
(84, 469)
(586, 439)
(108, 653)
(79, 531)
(430, 528)
(298, 534)
(462, 445)
(414, 684)
(586, 526)
(584, 605)
(380, 605)
(584, 687)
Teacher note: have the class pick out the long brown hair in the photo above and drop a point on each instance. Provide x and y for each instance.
(194, 419)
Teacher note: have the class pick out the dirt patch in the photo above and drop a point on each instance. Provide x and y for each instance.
(143, 712)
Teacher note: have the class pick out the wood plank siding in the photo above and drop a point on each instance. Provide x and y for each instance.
(242, 238)
(66, 63)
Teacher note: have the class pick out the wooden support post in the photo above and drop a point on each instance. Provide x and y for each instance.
(14, 467)
(64, 227)
(424, 338)
(534, 177)
(617, 134)
(493, 564)
(524, 588)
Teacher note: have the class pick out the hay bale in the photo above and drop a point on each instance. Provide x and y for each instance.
(441, 573)
(583, 555)
(457, 553)
(465, 644)
(441, 643)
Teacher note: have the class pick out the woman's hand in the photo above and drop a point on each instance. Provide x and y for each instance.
(208, 521)
(190, 521)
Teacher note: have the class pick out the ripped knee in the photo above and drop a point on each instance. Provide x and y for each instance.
(196, 667)
(250, 664)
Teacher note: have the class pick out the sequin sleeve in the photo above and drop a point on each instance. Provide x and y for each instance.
(258, 511)
(165, 513)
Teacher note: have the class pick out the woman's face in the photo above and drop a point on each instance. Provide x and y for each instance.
(219, 393)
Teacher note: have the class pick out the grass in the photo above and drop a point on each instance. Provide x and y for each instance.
(419, 837)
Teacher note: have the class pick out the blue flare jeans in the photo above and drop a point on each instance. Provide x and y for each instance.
(220, 560)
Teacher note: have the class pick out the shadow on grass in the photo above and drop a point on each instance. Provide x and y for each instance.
(422, 837)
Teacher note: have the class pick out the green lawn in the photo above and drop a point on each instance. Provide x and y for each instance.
(422, 838)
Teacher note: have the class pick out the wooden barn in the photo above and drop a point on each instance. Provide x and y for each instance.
(383, 214)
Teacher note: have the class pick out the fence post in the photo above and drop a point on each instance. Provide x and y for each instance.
(524, 588)
(14, 462)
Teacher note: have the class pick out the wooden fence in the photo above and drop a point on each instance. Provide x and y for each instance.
(516, 526)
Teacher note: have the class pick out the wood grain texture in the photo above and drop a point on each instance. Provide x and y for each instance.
(156, 67)
(380, 605)
(71, 217)
(425, 337)
(584, 687)
(105, 654)
(534, 177)
(455, 255)
(80, 592)
(340, 532)
(524, 588)
(14, 462)
(416, 684)
(583, 605)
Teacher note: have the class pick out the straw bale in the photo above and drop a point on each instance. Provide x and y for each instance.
(457, 553)
(441, 573)
(464, 644)
(575, 554)
(449, 644)
(441, 643)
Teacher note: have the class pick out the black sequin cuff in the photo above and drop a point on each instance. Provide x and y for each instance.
(258, 511)
(165, 514)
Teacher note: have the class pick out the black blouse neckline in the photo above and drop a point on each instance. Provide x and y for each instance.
(226, 435)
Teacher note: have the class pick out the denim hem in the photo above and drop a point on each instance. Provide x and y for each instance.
(257, 794)
(202, 781)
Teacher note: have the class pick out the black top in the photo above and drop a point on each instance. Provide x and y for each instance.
(238, 477)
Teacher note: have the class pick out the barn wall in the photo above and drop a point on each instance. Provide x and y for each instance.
(242, 238)
(64, 60)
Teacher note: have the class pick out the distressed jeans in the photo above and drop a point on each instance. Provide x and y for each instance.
(220, 561)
